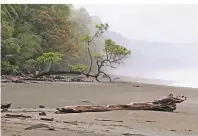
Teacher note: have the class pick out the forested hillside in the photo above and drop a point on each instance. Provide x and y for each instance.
(28, 31)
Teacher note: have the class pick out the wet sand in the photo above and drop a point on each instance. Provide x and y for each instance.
(182, 122)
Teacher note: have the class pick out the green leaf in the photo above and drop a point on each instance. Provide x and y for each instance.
(79, 67)
(54, 57)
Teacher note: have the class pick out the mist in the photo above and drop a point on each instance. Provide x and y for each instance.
(162, 38)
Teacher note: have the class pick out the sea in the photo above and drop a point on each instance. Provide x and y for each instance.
(181, 77)
(178, 78)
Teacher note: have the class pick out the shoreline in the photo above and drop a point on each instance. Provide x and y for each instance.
(155, 82)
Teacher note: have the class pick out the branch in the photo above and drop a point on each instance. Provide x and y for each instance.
(110, 65)
(98, 65)
(97, 79)
(88, 48)
(104, 62)
(96, 35)
(106, 75)
(91, 59)
(99, 70)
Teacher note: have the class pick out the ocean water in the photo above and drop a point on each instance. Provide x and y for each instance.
(177, 78)
(181, 77)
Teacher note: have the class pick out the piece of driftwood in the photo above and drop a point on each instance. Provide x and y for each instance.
(40, 126)
(42, 113)
(6, 106)
(17, 116)
(108, 120)
(47, 119)
(129, 134)
(71, 122)
(41, 106)
(165, 104)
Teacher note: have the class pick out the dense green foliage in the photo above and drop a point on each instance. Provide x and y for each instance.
(78, 67)
(43, 37)
(6, 68)
(50, 57)
(28, 31)
(115, 51)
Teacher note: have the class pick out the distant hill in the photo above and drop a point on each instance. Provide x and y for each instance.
(155, 55)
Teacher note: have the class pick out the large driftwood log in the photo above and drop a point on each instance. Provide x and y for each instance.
(165, 104)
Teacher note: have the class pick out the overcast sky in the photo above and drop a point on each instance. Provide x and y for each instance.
(152, 22)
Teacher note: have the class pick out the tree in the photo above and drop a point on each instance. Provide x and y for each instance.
(18, 42)
(48, 59)
(113, 54)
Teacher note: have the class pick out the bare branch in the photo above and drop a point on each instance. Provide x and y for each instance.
(97, 79)
(106, 75)
(96, 35)
(110, 65)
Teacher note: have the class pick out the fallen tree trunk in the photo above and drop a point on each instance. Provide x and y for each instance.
(165, 104)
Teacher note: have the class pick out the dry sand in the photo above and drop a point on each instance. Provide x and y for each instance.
(182, 122)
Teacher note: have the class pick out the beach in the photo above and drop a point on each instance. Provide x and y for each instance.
(27, 97)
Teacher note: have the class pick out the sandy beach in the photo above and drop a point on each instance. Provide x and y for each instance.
(26, 99)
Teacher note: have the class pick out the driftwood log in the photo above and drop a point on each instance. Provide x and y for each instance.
(165, 104)
(40, 126)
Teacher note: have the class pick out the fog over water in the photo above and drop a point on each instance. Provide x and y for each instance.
(163, 40)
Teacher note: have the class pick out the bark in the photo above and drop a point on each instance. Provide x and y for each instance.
(165, 104)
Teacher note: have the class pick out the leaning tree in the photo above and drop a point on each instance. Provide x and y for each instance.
(113, 54)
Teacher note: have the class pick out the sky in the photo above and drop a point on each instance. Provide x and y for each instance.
(150, 22)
